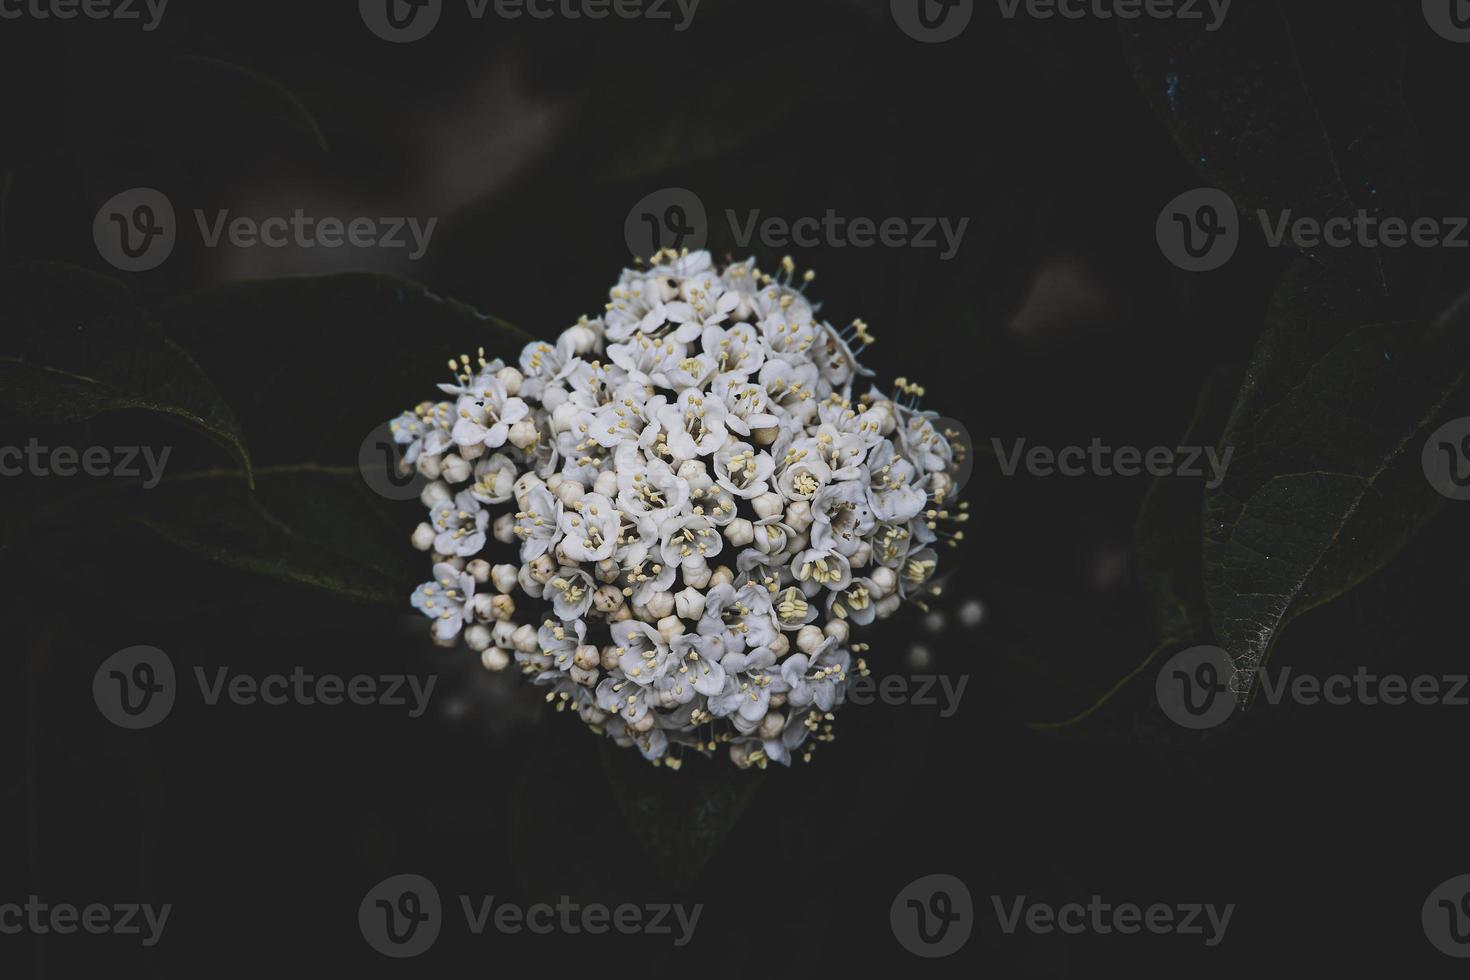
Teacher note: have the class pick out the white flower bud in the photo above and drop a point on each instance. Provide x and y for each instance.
(863, 555)
(473, 451)
(523, 486)
(607, 570)
(503, 577)
(588, 657)
(884, 580)
(504, 528)
(607, 598)
(504, 607)
(501, 632)
(542, 568)
(523, 434)
(511, 378)
(808, 638)
(780, 646)
(606, 484)
(570, 492)
(525, 639)
(689, 603)
(553, 481)
(457, 562)
(439, 641)
(429, 467)
(423, 537)
(887, 420)
(799, 516)
(888, 605)
(584, 338)
(778, 701)
(764, 437)
(696, 572)
(563, 558)
(772, 725)
(621, 613)
(528, 583)
(479, 570)
(435, 493)
(583, 676)
(692, 470)
(670, 627)
(769, 504)
(480, 606)
(610, 657)
(838, 628)
(721, 576)
(455, 469)
(644, 724)
(477, 637)
(661, 605)
(740, 754)
(494, 658)
(740, 532)
(564, 417)
(941, 486)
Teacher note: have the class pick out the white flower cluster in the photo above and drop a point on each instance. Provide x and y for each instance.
(695, 506)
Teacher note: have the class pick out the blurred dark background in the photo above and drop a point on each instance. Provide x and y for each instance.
(1058, 320)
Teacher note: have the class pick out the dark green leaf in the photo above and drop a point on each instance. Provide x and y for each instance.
(314, 364)
(75, 345)
(1292, 107)
(306, 525)
(1325, 486)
